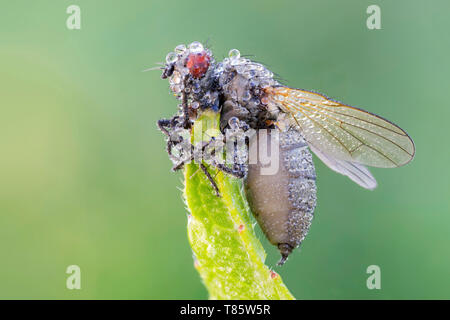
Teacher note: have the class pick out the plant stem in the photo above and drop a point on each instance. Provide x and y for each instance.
(228, 255)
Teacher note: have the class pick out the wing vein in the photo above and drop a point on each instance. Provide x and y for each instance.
(353, 125)
(337, 139)
(343, 132)
(362, 142)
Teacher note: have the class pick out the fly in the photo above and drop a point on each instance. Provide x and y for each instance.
(345, 138)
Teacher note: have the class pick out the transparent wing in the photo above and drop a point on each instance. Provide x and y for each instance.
(343, 132)
(355, 171)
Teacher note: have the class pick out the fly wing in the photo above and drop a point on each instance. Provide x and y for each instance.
(355, 171)
(346, 136)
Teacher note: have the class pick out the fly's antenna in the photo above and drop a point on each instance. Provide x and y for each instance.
(160, 66)
(208, 44)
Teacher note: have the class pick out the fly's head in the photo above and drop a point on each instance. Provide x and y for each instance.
(192, 79)
(186, 63)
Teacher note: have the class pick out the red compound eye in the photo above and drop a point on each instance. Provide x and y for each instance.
(198, 64)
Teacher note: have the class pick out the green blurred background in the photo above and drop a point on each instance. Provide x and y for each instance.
(85, 180)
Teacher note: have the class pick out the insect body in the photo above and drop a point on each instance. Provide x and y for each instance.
(283, 203)
(345, 138)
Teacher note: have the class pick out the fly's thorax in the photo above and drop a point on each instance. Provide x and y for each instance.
(242, 82)
(283, 203)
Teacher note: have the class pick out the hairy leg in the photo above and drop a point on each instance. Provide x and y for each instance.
(210, 178)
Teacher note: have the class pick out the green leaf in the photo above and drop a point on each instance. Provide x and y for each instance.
(228, 255)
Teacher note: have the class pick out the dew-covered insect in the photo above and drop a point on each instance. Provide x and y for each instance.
(283, 203)
(345, 138)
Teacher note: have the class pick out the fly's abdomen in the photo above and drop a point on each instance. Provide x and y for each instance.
(284, 200)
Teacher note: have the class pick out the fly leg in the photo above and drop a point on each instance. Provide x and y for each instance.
(168, 127)
(171, 126)
(236, 172)
(238, 168)
(240, 173)
(164, 125)
(186, 121)
(181, 164)
(185, 109)
(210, 178)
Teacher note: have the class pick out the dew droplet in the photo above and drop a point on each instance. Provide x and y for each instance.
(171, 57)
(259, 67)
(234, 54)
(175, 78)
(219, 68)
(267, 74)
(264, 100)
(253, 83)
(180, 48)
(175, 88)
(246, 95)
(240, 69)
(251, 73)
(233, 122)
(196, 47)
(195, 105)
(196, 89)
